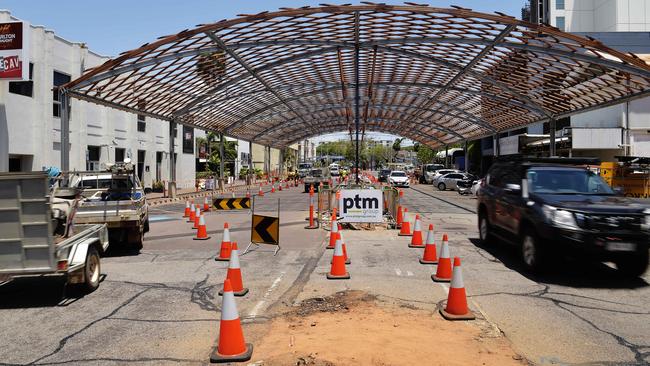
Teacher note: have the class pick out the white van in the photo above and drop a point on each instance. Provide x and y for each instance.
(334, 170)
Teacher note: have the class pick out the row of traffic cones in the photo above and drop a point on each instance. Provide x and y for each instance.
(456, 308)
(340, 256)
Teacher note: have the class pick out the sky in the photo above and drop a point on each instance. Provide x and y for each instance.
(112, 27)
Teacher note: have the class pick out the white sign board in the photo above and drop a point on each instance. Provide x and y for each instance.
(361, 205)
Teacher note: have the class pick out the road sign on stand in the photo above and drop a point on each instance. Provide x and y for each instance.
(265, 230)
(242, 203)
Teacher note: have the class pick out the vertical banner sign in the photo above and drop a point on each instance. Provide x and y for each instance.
(361, 205)
(14, 51)
(188, 140)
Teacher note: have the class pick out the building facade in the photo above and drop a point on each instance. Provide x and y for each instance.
(30, 124)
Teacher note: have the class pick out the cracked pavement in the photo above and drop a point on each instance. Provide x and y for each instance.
(161, 307)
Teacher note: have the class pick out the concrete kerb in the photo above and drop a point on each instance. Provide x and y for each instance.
(182, 197)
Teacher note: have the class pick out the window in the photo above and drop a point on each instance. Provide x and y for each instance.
(142, 125)
(559, 4)
(119, 154)
(141, 156)
(92, 159)
(25, 88)
(58, 80)
(559, 23)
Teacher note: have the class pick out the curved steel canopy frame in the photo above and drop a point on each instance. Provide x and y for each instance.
(434, 75)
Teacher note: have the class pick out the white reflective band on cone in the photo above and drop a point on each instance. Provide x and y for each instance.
(457, 278)
(234, 259)
(417, 225)
(229, 307)
(206, 200)
(335, 226)
(226, 235)
(430, 237)
(193, 209)
(338, 248)
(445, 250)
(341, 237)
(201, 220)
(198, 211)
(187, 204)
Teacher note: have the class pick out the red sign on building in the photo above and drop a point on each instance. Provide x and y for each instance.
(14, 56)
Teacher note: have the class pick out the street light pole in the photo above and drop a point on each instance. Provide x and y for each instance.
(356, 97)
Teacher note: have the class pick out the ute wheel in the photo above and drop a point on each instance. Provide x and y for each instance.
(92, 271)
(484, 229)
(532, 252)
(633, 265)
(442, 186)
(136, 238)
(146, 225)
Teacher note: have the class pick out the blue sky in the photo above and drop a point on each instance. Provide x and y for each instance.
(111, 27)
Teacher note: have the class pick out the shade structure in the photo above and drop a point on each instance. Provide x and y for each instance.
(434, 75)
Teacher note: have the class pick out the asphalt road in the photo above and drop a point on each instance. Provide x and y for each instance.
(161, 307)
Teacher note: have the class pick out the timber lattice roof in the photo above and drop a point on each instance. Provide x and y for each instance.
(434, 75)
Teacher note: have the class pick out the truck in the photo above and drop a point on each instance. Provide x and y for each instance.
(427, 171)
(315, 177)
(38, 237)
(114, 197)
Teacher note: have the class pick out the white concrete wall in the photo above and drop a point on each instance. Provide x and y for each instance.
(28, 127)
(603, 15)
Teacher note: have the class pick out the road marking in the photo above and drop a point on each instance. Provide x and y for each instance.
(261, 303)
(398, 271)
(409, 273)
(444, 286)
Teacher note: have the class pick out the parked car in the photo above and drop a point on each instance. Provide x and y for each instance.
(334, 170)
(450, 181)
(439, 173)
(553, 207)
(398, 178)
(383, 175)
(304, 169)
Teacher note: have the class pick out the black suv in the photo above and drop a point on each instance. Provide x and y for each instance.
(383, 175)
(555, 206)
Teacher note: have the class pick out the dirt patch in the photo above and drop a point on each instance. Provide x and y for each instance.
(353, 328)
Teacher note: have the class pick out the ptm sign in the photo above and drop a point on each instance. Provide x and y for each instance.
(361, 205)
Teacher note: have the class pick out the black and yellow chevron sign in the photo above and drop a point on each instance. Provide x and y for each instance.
(232, 203)
(265, 230)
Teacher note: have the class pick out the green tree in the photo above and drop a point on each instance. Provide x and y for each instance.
(425, 154)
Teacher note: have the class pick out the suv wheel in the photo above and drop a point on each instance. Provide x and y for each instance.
(442, 186)
(484, 230)
(532, 253)
(633, 265)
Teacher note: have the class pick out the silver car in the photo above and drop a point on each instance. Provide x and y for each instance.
(449, 181)
(440, 173)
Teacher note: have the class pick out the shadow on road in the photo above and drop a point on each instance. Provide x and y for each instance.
(35, 292)
(564, 271)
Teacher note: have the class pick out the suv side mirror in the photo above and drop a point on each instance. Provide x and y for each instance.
(514, 189)
(619, 191)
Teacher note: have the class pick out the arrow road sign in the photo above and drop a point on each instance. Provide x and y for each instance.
(265, 230)
(232, 203)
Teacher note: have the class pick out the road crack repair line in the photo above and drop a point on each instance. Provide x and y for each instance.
(544, 293)
(201, 294)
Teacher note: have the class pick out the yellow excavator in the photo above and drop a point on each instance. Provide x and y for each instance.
(631, 174)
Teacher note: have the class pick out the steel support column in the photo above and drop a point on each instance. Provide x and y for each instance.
(65, 130)
(466, 159)
(221, 162)
(446, 156)
(357, 98)
(281, 167)
(551, 132)
(171, 186)
(251, 170)
(495, 144)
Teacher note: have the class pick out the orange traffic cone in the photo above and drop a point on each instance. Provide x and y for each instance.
(337, 270)
(457, 299)
(416, 240)
(224, 251)
(201, 233)
(443, 272)
(405, 230)
(187, 209)
(345, 252)
(261, 192)
(206, 205)
(248, 194)
(334, 234)
(430, 256)
(234, 273)
(400, 217)
(280, 187)
(197, 217)
(232, 347)
(192, 213)
(273, 188)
